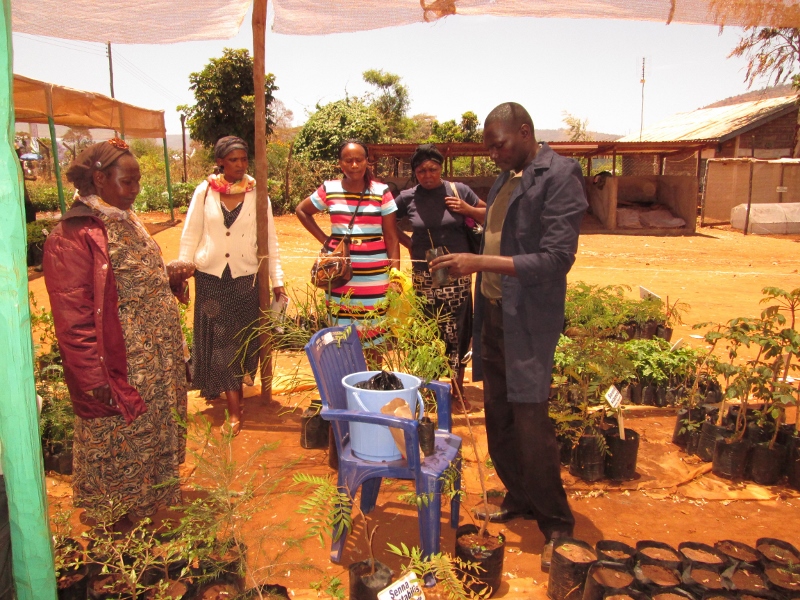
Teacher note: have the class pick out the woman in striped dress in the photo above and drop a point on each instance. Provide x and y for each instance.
(375, 246)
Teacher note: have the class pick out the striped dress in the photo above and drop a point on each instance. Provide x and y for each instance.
(366, 291)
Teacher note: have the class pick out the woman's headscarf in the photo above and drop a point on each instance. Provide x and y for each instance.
(426, 152)
(216, 181)
(97, 157)
(228, 144)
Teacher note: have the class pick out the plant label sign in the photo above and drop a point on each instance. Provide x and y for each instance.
(614, 397)
(646, 294)
(405, 588)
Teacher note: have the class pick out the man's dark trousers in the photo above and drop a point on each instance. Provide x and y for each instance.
(522, 440)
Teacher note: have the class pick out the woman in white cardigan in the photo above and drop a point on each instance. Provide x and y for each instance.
(219, 240)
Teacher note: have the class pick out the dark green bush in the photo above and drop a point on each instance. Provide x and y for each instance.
(39, 230)
(45, 197)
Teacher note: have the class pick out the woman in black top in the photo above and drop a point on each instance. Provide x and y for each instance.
(440, 213)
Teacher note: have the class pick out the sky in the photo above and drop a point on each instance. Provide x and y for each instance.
(589, 68)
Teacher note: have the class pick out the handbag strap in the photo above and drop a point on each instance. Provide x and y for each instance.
(454, 188)
(355, 214)
(350, 224)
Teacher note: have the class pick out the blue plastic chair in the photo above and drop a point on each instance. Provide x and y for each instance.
(336, 352)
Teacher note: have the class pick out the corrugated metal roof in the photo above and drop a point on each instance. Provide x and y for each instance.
(717, 124)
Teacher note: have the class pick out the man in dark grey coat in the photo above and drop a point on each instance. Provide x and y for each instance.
(534, 214)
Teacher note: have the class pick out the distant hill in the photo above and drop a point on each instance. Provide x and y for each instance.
(764, 94)
(562, 135)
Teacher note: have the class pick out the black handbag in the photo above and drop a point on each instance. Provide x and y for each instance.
(472, 229)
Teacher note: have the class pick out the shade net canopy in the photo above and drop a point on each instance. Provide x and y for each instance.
(170, 21)
(75, 108)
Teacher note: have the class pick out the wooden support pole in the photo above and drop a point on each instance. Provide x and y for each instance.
(169, 180)
(262, 191)
(32, 553)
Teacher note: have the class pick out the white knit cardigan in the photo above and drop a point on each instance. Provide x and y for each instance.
(208, 244)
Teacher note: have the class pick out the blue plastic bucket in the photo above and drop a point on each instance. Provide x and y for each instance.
(375, 442)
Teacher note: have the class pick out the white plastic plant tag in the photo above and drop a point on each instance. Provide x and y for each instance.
(614, 397)
(676, 345)
(644, 294)
(406, 588)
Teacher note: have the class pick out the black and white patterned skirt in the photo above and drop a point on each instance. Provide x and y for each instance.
(226, 314)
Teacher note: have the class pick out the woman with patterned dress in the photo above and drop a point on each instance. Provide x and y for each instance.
(218, 247)
(374, 248)
(438, 211)
(119, 333)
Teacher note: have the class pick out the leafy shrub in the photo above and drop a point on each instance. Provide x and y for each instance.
(39, 230)
(44, 197)
(182, 193)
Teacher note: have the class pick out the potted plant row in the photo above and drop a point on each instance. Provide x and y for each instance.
(746, 435)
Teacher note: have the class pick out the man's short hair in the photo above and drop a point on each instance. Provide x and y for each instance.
(510, 114)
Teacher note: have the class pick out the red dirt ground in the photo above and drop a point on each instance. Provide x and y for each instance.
(720, 273)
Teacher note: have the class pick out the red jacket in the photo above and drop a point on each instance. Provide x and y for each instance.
(83, 297)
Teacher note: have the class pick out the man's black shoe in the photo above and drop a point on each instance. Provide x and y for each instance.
(501, 515)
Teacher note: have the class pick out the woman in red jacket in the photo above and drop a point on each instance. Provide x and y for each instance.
(118, 329)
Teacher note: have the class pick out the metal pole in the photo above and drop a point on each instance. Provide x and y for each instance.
(110, 68)
(749, 198)
(183, 141)
(56, 166)
(32, 553)
(641, 120)
(259, 24)
(169, 181)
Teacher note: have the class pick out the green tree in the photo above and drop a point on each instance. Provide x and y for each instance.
(576, 129)
(469, 127)
(450, 131)
(771, 52)
(224, 99)
(391, 103)
(76, 139)
(333, 123)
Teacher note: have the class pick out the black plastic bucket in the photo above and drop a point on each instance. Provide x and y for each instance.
(703, 580)
(738, 552)
(695, 554)
(680, 435)
(656, 579)
(621, 457)
(486, 579)
(650, 552)
(673, 593)
(314, 429)
(635, 392)
(785, 582)
(766, 464)
(607, 579)
(747, 579)
(564, 450)
(427, 436)
(570, 564)
(692, 442)
(709, 434)
(365, 585)
(775, 552)
(649, 395)
(730, 458)
(793, 462)
(616, 552)
(587, 460)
